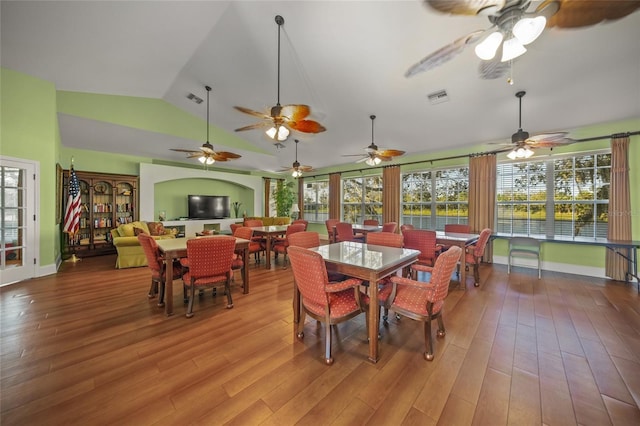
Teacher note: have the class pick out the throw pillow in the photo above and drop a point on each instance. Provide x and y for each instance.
(155, 228)
(126, 230)
(139, 231)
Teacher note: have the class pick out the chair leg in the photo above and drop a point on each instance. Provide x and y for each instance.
(300, 328)
(227, 287)
(509, 264)
(327, 347)
(153, 290)
(161, 296)
(476, 273)
(428, 340)
(539, 268)
(193, 296)
(441, 330)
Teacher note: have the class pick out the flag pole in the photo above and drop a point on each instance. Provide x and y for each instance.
(72, 212)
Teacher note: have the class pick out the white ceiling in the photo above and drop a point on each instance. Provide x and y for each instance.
(346, 59)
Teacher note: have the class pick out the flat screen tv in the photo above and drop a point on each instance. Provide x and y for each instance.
(209, 206)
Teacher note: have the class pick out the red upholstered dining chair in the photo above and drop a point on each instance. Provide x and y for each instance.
(474, 252)
(457, 227)
(157, 265)
(330, 303)
(371, 222)
(209, 265)
(423, 301)
(406, 227)
(280, 245)
(307, 239)
(302, 221)
(252, 223)
(388, 239)
(344, 232)
(389, 227)
(425, 241)
(255, 247)
(331, 229)
(235, 226)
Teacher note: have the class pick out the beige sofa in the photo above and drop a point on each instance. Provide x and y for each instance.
(125, 239)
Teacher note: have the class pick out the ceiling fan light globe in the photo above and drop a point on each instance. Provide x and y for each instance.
(487, 49)
(283, 133)
(370, 162)
(527, 30)
(202, 159)
(512, 155)
(511, 49)
(527, 153)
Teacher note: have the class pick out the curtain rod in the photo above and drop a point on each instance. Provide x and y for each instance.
(477, 154)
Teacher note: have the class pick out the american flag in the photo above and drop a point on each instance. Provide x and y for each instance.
(73, 211)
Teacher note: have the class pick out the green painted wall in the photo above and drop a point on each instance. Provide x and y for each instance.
(171, 196)
(29, 131)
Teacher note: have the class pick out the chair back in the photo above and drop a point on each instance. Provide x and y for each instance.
(423, 240)
(482, 242)
(310, 275)
(152, 253)
(389, 227)
(251, 223)
(526, 244)
(210, 256)
(243, 232)
(304, 239)
(441, 275)
(388, 239)
(406, 227)
(344, 232)
(371, 222)
(330, 224)
(233, 227)
(292, 229)
(457, 227)
(302, 221)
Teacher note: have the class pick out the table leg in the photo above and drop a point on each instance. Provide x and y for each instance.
(268, 252)
(463, 268)
(373, 317)
(245, 271)
(168, 284)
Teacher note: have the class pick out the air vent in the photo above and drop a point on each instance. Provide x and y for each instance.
(438, 97)
(194, 98)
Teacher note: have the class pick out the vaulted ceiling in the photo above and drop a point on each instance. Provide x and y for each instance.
(345, 59)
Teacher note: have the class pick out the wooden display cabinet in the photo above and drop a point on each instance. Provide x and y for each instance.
(107, 200)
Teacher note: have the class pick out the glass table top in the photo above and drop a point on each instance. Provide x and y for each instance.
(363, 255)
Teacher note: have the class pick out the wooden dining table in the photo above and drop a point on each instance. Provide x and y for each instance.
(461, 240)
(367, 262)
(176, 248)
(269, 232)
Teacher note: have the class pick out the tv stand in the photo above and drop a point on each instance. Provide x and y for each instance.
(190, 227)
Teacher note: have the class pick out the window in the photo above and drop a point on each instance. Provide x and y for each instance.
(428, 208)
(564, 196)
(362, 199)
(316, 201)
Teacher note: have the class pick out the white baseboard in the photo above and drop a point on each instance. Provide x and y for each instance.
(589, 271)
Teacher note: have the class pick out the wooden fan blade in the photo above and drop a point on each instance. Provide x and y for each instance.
(582, 13)
(384, 157)
(228, 155)
(464, 7)
(444, 54)
(295, 112)
(305, 168)
(306, 126)
(389, 153)
(185, 150)
(549, 140)
(252, 112)
(254, 126)
(363, 159)
(195, 154)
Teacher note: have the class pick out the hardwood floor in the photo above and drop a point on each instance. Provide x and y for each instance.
(86, 346)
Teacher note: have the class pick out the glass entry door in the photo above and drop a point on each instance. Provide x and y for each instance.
(17, 232)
